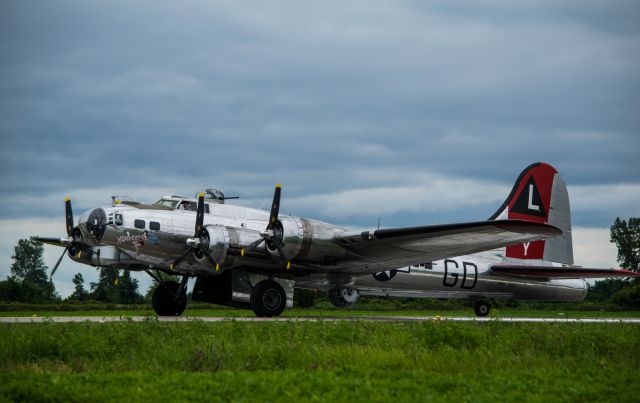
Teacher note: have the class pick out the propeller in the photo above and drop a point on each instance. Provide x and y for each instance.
(73, 242)
(198, 245)
(274, 234)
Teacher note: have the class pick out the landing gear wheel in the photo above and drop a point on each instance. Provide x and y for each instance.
(343, 297)
(168, 300)
(481, 307)
(268, 299)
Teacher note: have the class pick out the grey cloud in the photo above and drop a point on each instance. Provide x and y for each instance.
(326, 98)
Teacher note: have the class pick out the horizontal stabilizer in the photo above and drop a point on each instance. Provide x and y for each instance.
(559, 272)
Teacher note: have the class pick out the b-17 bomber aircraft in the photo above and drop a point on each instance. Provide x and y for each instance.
(249, 258)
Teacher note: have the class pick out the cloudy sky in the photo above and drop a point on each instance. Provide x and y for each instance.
(413, 111)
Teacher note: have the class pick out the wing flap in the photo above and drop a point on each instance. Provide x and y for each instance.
(560, 272)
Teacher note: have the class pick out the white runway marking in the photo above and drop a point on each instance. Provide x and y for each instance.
(103, 319)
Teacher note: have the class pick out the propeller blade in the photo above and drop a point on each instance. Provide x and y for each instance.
(283, 257)
(275, 207)
(51, 241)
(254, 245)
(209, 257)
(179, 259)
(69, 215)
(200, 215)
(58, 263)
(269, 235)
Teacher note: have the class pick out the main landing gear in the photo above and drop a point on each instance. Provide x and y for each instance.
(168, 300)
(170, 297)
(268, 298)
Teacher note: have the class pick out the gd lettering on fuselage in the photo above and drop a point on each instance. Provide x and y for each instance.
(250, 258)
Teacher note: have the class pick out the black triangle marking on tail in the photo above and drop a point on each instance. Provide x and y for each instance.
(529, 201)
(513, 190)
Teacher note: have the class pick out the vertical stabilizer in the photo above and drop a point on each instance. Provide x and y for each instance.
(540, 194)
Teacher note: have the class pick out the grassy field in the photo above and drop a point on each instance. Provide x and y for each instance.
(334, 312)
(319, 361)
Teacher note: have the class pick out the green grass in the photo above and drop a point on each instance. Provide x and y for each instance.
(319, 361)
(334, 312)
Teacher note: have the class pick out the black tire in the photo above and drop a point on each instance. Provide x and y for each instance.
(268, 299)
(481, 308)
(164, 299)
(337, 297)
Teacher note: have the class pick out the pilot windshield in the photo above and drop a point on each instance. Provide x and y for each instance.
(166, 203)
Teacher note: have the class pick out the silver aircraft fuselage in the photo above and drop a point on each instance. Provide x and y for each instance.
(153, 237)
(139, 237)
(467, 277)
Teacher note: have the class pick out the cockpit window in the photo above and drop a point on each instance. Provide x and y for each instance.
(166, 203)
(188, 206)
(97, 223)
(185, 205)
(119, 221)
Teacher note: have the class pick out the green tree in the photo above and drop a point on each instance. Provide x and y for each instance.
(28, 262)
(28, 281)
(626, 236)
(106, 290)
(79, 293)
(602, 290)
(128, 288)
(116, 288)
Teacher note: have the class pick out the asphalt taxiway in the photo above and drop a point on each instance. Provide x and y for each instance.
(104, 319)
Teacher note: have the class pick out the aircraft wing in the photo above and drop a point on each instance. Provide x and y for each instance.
(541, 272)
(397, 247)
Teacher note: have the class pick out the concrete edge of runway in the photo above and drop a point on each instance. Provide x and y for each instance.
(105, 319)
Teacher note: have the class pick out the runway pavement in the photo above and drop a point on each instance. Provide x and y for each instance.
(103, 319)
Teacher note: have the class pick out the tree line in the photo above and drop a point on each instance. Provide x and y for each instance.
(624, 292)
(30, 283)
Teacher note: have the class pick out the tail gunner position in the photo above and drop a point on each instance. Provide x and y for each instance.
(254, 259)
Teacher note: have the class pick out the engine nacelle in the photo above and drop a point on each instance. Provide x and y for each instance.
(292, 233)
(241, 238)
(290, 230)
(110, 256)
(216, 239)
(343, 297)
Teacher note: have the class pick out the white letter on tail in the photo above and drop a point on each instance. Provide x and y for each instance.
(531, 205)
(526, 247)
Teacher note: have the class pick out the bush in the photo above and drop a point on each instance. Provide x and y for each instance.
(629, 297)
(303, 298)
